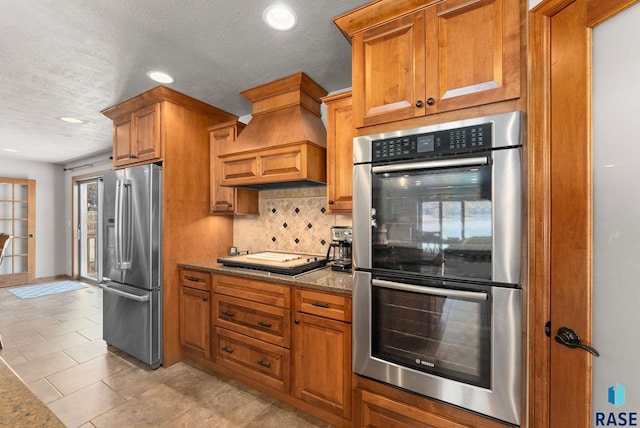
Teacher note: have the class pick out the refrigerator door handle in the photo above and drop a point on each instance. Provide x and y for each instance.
(127, 258)
(124, 294)
(123, 186)
(118, 223)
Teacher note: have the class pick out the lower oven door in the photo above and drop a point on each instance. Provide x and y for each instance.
(455, 342)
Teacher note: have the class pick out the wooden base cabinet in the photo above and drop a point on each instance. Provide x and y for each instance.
(252, 333)
(262, 361)
(195, 309)
(380, 411)
(322, 351)
(380, 405)
(291, 343)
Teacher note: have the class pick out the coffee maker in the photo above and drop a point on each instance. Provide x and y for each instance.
(341, 237)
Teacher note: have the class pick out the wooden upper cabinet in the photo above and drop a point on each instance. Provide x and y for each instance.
(136, 137)
(228, 200)
(147, 133)
(450, 55)
(340, 133)
(122, 140)
(389, 71)
(478, 53)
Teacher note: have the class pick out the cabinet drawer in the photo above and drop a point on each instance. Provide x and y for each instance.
(237, 168)
(256, 291)
(260, 361)
(195, 279)
(263, 322)
(379, 411)
(324, 304)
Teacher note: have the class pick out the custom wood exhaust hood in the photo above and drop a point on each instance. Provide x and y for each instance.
(284, 144)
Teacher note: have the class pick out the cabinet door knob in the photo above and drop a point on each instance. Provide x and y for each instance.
(419, 103)
(297, 321)
(331, 202)
(431, 101)
(132, 156)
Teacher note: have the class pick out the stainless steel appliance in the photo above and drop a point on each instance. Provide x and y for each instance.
(275, 262)
(132, 262)
(341, 247)
(437, 297)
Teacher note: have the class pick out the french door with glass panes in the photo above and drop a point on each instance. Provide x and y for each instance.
(17, 219)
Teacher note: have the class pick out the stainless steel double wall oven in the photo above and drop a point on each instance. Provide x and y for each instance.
(437, 227)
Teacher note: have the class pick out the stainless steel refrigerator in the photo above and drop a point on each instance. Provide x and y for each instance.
(132, 262)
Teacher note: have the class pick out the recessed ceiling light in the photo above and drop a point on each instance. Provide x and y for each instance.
(71, 120)
(9, 150)
(160, 77)
(279, 17)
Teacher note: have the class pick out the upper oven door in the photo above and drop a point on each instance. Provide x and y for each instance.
(455, 217)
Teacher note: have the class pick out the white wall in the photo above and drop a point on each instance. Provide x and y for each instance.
(50, 211)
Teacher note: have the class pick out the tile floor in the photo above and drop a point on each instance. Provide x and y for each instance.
(54, 343)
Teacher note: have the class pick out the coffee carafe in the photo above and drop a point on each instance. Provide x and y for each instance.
(341, 246)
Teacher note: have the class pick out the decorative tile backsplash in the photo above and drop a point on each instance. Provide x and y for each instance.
(291, 220)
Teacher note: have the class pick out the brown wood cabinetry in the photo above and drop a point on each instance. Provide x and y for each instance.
(340, 133)
(228, 200)
(286, 163)
(252, 332)
(136, 137)
(322, 351)
(264, 322)
(262, 361)
(410, 60)
(173, 127)
(380, 405)
(195, 309)
(380, 411)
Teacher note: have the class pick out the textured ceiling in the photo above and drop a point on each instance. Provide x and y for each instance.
(78, 57)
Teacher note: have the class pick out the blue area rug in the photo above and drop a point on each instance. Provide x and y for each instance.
(45, 289)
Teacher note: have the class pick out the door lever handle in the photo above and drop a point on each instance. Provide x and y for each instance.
(568, 337)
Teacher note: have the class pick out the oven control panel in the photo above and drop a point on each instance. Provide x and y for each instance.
(448, 142)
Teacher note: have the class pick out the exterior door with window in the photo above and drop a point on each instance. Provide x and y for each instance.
(17, 218)
(87, 230)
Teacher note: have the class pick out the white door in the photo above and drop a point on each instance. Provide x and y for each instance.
(616, 220)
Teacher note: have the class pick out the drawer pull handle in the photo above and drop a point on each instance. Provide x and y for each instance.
(227, 350)
(193, 279)
(227, 314)
(264, 324)
(264, 364)
(321, 305)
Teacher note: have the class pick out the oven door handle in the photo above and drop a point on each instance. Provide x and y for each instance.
(445, 292)
(445, 163)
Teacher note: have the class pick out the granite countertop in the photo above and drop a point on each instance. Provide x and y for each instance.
(19, 407)
(323, 279)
